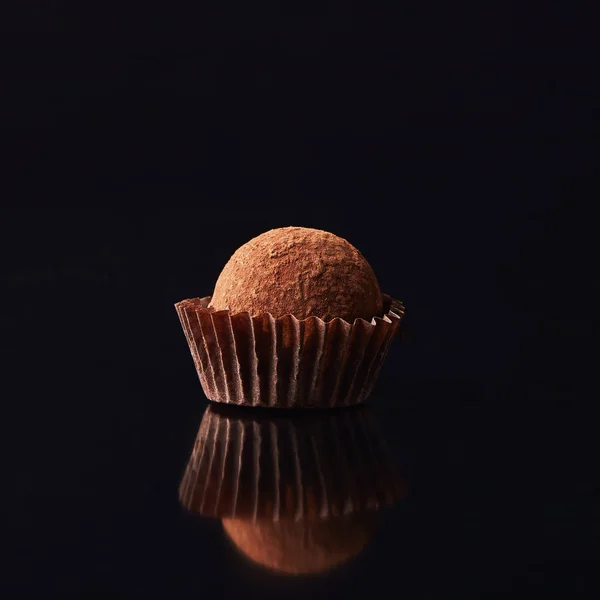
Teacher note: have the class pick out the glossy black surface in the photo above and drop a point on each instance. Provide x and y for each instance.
(499, 496)
(450, 158)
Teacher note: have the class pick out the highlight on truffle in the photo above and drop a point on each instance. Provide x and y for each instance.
(300, 271)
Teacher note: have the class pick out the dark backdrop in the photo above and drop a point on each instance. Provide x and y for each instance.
(145, 142)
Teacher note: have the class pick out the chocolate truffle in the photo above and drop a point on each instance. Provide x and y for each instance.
(300, 271)
(297, 547)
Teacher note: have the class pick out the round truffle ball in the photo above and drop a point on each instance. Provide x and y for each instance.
(297, 547)
(300, 271)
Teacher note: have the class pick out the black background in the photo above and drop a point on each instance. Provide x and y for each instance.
(144, 142)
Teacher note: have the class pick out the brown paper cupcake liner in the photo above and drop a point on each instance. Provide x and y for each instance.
(286, 362)
(313, 466)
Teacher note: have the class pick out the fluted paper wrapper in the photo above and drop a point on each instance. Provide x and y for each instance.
(286, 362)
(313, 467)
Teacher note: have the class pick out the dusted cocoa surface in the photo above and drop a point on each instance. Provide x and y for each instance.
(300, 271)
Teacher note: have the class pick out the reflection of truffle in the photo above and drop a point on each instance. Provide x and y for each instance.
(300, 271)
(308, 467)
(298, 494)
(297, 547)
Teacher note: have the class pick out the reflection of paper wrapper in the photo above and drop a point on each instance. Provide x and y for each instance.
(312, 467)
(295, 494)
(286, 362)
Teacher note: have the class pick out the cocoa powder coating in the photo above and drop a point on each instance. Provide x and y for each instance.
(300, 271)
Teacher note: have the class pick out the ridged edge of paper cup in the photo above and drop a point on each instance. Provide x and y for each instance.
(329, 465)
(286, 362)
